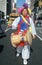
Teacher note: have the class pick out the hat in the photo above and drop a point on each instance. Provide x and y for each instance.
(20, 9)
(25, 5)
(29, 10)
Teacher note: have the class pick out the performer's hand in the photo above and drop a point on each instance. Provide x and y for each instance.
(14, 45)
(9, 25)
(34, 36)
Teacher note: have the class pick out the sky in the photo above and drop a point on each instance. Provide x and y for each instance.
(19, 4)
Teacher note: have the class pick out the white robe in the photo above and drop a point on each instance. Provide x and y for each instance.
(16, 21)
(26, 49)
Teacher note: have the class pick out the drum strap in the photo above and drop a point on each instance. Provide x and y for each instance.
(30, 29)
(25, 20)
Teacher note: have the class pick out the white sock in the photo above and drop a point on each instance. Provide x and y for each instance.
(17, 54)
(25, 61)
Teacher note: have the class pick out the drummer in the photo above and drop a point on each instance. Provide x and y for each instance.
(22, 29)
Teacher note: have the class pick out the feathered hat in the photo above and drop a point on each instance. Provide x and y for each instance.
(25, 5)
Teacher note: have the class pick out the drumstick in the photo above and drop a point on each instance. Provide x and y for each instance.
(7, 29)
(39, 37)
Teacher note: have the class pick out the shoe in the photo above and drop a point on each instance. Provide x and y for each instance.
(17, 55)
(4, 35)
(25, 62)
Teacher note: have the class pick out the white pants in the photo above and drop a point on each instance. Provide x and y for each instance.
(25, 51)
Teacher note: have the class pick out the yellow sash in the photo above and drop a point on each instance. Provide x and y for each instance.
(30, 29)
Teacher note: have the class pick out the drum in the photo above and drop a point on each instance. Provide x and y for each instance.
(16, 39)
(29, 37)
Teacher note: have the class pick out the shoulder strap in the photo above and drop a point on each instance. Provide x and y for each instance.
(25, 20)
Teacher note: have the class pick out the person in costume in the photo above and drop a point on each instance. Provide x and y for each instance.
(19, 22)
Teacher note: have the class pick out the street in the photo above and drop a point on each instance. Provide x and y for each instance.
(39, 32)
(8, 12)
(8, 57)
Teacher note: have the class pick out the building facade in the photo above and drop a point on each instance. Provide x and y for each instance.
(3, 6)
(7, 5)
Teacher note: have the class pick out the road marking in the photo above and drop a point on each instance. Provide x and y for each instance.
(39, 37)
(41, 32)
(7, 29)
(38, 27)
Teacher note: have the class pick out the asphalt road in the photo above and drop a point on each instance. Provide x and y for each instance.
(7, 53)
(39, 32)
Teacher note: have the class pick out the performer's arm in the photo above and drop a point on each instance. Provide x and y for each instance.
(15, 23)
(33, 28)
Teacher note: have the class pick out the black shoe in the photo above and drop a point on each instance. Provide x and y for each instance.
(1, 48)
(2, 35)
